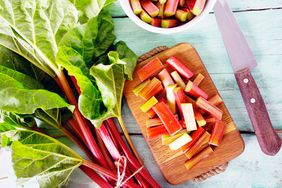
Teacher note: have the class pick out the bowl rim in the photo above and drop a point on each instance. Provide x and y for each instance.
(125, 4)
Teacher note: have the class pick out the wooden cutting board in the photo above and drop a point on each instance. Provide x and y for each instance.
(170, 162)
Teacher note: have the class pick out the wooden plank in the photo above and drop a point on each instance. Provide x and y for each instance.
(235, 5)
(250, 169)
(264, 38)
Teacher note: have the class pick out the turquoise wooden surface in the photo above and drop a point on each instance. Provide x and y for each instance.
(261, 22)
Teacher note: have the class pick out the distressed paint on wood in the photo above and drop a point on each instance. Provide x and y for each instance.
(235, 5)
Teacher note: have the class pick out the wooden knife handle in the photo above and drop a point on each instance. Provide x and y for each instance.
(268, 139)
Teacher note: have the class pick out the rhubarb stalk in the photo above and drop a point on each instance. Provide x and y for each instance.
(134, 162)
(93, 147)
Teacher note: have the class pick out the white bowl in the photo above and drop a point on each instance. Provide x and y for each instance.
(125, 4)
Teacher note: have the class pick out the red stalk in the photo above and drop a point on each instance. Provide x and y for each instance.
(75, 127)
(75, 84)
(92, 145)
(112, 145)
(95, 177)
(104, 134)
(104, 150)
(134, 162)
(138, 176)
(77, 142)
(107, 173)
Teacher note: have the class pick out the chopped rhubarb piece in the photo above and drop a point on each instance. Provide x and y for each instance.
(156, 22)
(190, 15)
(167, 139)
(153, 122)
(180, 141)
(161, 9)
(180, 67)
(210, 108)
(149, 104)
(182, 3)
(210, 120)
(179, 98)
(195, 137)
(145, 17)
(150, 7)
(199, 78)
(188, 113)
(168, 23)
(165, 77)
(170, 7)
(136, 6)
(176, 77)
(138, 88)
(195, 91)
(217, 133)
(199, 145)
(153, 88)
(156, 131)
(196, 6)
(199, 118)
(171, 98)
(152, 67)
(204, 154)
(181, 15)
(215, 100)
(170, 122)
(151, 113)
(162, 1)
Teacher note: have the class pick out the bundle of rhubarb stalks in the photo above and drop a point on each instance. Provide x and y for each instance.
(178, 110)
(167, 13)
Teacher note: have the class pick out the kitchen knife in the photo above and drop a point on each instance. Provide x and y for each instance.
(242, 60)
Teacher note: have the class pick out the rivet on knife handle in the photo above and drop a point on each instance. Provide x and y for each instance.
(268, 139)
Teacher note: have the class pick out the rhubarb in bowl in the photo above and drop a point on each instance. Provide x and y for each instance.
(166, 16)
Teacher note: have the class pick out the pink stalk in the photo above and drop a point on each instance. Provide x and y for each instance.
(112, 146)
(104, 151)
(145, 174)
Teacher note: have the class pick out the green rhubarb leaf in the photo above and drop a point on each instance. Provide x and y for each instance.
(127, 56)
(106, 36)
(16, 97)
(33, 28)
(35, 155)
(11, 62)
(90, 8)
(110, 78)
(77, 49)
(90, 101)
(27, 81)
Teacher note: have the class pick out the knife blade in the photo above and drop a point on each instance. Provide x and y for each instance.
(242, 60)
